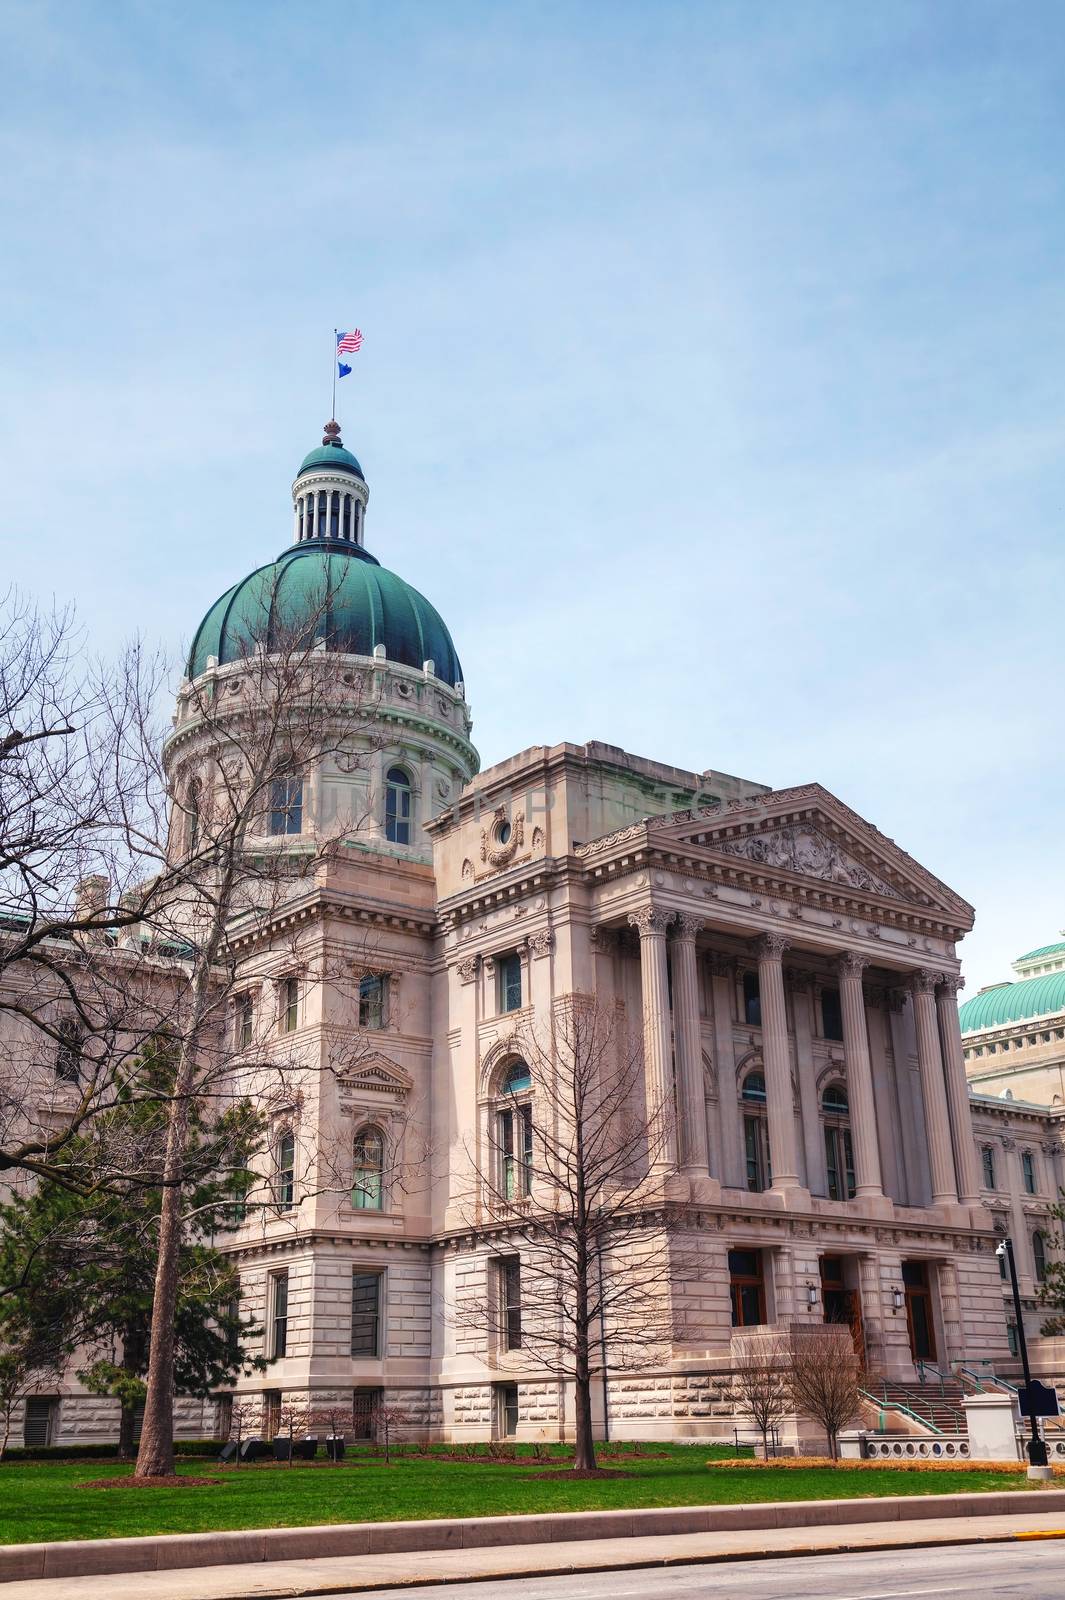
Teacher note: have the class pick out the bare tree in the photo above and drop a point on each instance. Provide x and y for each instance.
(243, 1417)
(762, 1383)
(291, 1419)
(568, 1195)
(826, 1378)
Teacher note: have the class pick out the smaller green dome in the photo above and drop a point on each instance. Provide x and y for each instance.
(1044, 950)
(1014, 1002)
(334, 457)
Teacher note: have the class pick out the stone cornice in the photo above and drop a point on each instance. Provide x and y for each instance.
(321, 904)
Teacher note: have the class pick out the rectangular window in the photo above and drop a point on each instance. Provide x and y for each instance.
(278, 1314)
(290, 1005)
(244, 1020)
(831, 1014)
(372, 1001)
(515, 1136)
(510, 983)
(1011, 1336)
(987, 1157)
(286, 804)
(68, 1052)
(839, 1163)
(39, 1424)
(366, 1313)
(364, 1406)
(510, 1302)
(506, 1410)
(747, 1288)
(756, 1152)
(271, 1412)
(752, 1000)
(1028, 1171)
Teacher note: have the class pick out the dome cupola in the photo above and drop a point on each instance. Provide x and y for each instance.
(327, 577)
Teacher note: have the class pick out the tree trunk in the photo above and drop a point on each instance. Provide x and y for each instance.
(584, 1445)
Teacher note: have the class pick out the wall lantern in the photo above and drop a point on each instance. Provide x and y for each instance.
(896, 1299)
(811, 1296)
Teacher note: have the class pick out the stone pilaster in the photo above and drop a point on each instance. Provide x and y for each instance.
(965, 1157)
(859, 1077)
(933, 1088)
(687, 1041)
(776, 1057)
(801, 988)
(654, 985)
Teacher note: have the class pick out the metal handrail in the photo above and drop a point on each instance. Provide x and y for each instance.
(989, 1377)
(897, 1405)
(944, 1403)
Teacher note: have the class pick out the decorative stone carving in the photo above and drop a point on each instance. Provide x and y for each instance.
(951, 982)
(896, 999)
(687, 927)
(650, 920)
(1008, 1143)
(542, 943)
(721, 966)
(924, 981)
(377, 1075)
(772, 945)
(467, 969)
(467, 869)
(495, 853)
(804, 850)
(443, 787)
(851, 964)
(799, 981)
(538, 838)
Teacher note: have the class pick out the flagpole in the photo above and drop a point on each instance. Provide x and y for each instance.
(333, 413)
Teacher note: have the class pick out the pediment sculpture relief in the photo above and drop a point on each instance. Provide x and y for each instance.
(811, 854)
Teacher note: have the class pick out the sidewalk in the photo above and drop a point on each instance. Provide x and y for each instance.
(416, 1569)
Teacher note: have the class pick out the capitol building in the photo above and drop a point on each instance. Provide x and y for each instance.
(843, 1145)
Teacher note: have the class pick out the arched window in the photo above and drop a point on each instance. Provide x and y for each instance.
(285, 1179)
(334, 514)
(1039, 1255)
(756, 1133)
(839, 1150)
(398, 806)
(367, 1170)
(514, 1133)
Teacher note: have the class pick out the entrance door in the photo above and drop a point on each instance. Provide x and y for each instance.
(842, 1305)
(919, 1323)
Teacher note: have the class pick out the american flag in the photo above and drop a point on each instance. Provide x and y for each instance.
(349, 341)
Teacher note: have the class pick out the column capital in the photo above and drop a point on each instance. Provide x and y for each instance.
(851, 964)
(721, 966)
(650, 920)
(951, 983)
(924, 980)
(771, 946)
(686, 928)
(800, 981)
(896, 998)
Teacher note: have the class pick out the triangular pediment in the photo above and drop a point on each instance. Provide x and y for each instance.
(808, 834)
(376, 1074)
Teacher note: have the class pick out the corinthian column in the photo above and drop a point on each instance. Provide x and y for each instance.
(969, 1184)
(933, 1088)
(688, 1046)
(859, 1076)
(776, 1057)
(657, 1064)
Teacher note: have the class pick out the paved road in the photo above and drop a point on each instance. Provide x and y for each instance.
(1025, 1571)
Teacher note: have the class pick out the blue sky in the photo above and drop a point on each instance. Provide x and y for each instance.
(712, 383)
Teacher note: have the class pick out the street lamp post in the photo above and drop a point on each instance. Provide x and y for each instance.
(1037, 1450)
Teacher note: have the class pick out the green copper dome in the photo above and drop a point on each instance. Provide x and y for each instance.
(1014, 1002)
(334, 457)
(353, 602)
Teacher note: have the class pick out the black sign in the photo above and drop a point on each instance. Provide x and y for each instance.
(1037, 1400)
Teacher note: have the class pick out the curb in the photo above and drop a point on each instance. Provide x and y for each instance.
(157, 1553)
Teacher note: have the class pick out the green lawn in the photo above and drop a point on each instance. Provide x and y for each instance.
(46, 1500)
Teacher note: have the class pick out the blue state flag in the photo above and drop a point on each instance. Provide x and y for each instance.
(342, 369)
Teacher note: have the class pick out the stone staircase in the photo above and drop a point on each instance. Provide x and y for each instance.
(937, 1403)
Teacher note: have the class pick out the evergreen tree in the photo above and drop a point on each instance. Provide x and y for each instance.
(79, 1262)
